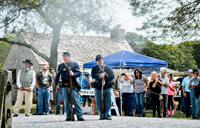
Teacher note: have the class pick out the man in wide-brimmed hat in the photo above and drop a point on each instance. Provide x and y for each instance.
(25, 80)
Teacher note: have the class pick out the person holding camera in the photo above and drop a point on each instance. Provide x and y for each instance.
(193, 83)
(127, 93)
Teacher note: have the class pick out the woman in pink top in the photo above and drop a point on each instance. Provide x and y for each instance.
(171, 90)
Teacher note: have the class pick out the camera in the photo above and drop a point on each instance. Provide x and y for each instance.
(123, 74)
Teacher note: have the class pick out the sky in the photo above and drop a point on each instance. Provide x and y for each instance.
(126, 20)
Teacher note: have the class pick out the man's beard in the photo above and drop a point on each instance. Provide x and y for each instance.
(45, 74)
(26, 68)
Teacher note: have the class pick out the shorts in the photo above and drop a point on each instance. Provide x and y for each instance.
(85, 97)
(51, 95)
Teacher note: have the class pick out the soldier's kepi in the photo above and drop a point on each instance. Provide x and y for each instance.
(66, 71)
(98, 73)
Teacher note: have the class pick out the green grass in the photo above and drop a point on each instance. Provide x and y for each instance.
(148, 112)
(33, 110)
(53, 109)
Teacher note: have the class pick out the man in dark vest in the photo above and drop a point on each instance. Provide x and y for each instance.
(108, 75)
(25, 80)
(63, 70)
(44, 82)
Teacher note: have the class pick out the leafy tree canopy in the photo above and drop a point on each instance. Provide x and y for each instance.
(181, 56)
(54, 16)
(172, 20)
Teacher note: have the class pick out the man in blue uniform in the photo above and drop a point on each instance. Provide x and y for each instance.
(65, 85)
(108, 75)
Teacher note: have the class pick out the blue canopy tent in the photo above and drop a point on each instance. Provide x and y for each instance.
(127, 59)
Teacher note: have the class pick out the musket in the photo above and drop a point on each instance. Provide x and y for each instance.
(71, 100)
(111, 83)
(102, 95)
(26, 90)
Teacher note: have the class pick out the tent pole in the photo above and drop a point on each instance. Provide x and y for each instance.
(120, 94)
(121, 84)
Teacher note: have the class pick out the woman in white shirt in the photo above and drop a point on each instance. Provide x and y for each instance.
(127, 93)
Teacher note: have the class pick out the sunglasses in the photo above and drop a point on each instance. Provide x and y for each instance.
(190, 72)
(44, 69)
(126, 76)
(162, 72)
(136, 72)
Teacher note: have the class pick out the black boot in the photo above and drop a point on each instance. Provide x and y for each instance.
(35, 113)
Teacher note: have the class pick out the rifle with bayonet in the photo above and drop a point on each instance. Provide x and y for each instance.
(102, 91)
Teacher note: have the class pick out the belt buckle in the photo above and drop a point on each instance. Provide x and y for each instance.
(66, 83)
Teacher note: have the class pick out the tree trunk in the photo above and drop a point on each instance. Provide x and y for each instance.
(54, 56)
(54, 48)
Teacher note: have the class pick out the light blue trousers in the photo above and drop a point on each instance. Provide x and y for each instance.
(109, 95)
(76, 102)
(194, 102)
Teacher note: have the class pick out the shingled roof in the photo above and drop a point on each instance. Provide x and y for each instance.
(81, 47)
